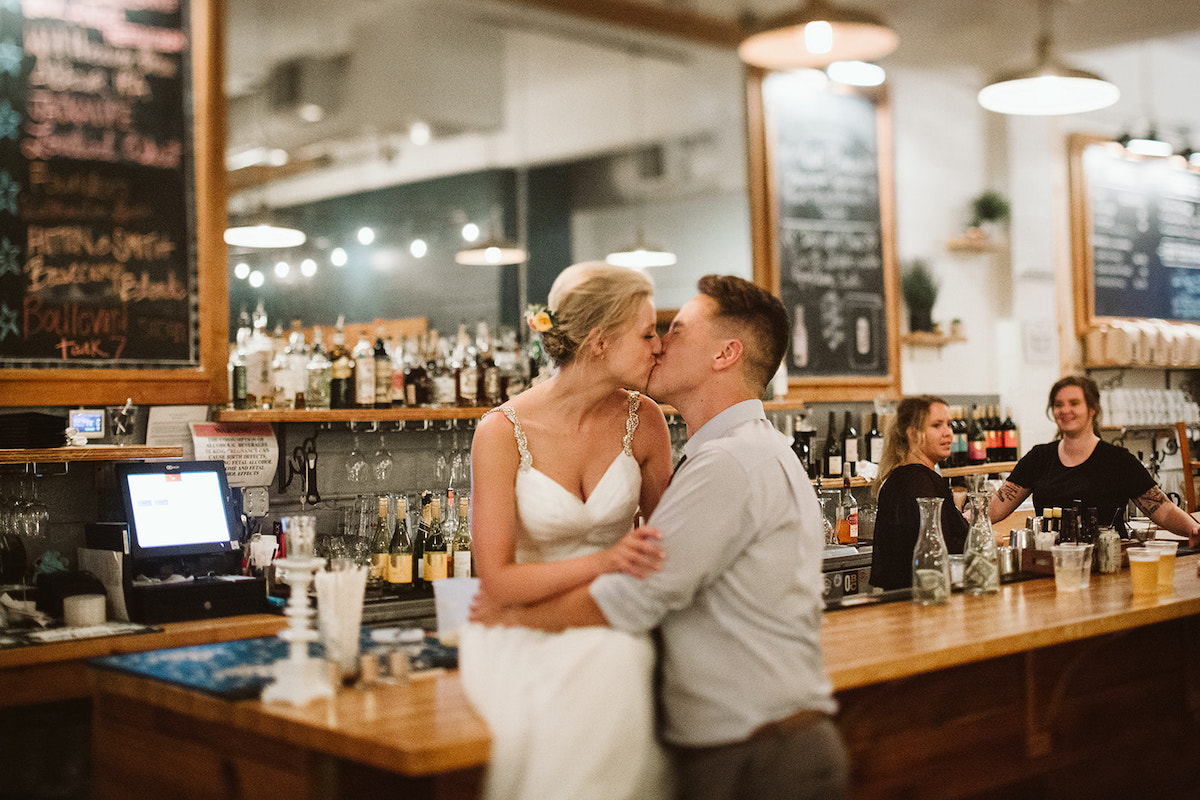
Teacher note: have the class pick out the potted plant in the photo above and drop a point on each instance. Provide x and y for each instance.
(920, 291)
(989, 208)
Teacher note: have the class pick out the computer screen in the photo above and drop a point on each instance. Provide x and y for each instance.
(177, 508)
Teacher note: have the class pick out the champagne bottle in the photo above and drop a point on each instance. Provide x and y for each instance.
(874, 440)
(341, 376)
(383, 370)
(364, 373)
(418, 561)
(400, 550)
(462, 540)
(850, 444)
(380, 545)
(831, 458)
(435, 553)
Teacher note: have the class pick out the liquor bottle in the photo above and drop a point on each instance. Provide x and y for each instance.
(462, 540)
(847, 512)
(981, 561)
(237, 361)
(491, 388)
(260, 385)
(320, 374)
(831, 458)
(1068, 530)
(976, 441)
(364, 373)
(282, 394)
(383, 371)
(380, 545)
(931, 560)
(445, 388)
(874, 440)
(297, 357)
(958, 425)
(418, 386)
(399, 393)
(850, 444)
(1012, 437)
(802, 445)
(400, 549)
(435, 553)
(341, 384)
(466, 370)
(418, 560)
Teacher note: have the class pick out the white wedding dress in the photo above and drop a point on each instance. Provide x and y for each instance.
(571, 714)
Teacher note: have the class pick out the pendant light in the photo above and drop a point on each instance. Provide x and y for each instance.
(494, 250)
(816, 35)
(639, 254)
(1049, 87)
(1149, 144)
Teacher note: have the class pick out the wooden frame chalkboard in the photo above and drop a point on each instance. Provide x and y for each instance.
(119, 161)
(1135, 235)
(822, 227)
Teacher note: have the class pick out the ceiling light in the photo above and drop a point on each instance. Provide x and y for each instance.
(241, 270)
(366, 235)
(419, 133)
(492, 252)
(256, 279)
(338, 257)
(308, 267)
(856, 73)
(470, 232)
(282, 268)
(418, 248)
(1148, 145)
(640, 254)
(816, 35)
(264, 236)
(311, 112)
(1049, 87)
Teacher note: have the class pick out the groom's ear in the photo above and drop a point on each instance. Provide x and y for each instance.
(729, 356)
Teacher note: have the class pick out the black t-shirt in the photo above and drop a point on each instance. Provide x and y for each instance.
(1110, 477)
(898, 521)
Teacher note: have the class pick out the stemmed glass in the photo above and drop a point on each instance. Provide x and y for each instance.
(441, 469)
(383, 460)
(356, 461)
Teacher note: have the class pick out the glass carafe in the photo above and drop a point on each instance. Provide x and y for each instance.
(981, 563)
(829, 502)
(931, 560)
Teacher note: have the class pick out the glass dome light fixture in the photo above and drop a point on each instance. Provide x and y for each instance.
(365, 235)
(282, 268)
(308, 267)
(856, 73)
(256, 279)
(1049, 87)
(262, 233)
(1149, 145)
(641, 255)
(418, 248)
(816, 35)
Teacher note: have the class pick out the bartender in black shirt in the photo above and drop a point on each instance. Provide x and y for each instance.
(1079, 466)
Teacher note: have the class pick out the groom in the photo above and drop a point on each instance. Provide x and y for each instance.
(745, 696)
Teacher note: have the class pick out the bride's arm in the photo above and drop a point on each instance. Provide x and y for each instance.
(494, 463)
(652, 447)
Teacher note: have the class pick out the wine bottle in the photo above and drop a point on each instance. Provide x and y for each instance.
(874, 440)
(364, 373)
(380, 545)
(802, 445)
(400, 549)
(418, 561)
(850, 444)
(383, 371)
(976, 439)
(1012, 439)
(831, 458)
(341, 376)
(463, 567)
(434, 551)
(959, 426)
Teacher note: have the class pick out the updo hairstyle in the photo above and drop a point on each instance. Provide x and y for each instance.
(591, 299)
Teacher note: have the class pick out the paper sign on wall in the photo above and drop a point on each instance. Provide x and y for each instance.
(248, 449)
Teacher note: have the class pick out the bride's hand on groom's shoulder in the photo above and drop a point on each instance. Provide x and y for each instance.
(638, 553)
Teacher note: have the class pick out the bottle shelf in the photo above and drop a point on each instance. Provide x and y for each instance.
(979, 469)
(974, 241)
(91, 452)
(928, 339)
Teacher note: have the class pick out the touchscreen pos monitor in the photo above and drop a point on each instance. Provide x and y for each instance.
(177, 509)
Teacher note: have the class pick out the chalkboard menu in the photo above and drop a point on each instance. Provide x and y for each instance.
(1140, 256)
(825, 162)
(97, 240)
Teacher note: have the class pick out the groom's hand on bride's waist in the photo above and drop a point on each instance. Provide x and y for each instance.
(638, 553)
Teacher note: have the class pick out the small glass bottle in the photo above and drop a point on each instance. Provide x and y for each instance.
(931, 560)
(320, 375)
(462, 540)
(981, 563)
(380, 545)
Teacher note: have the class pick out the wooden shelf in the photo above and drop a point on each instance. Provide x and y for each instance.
(837, 483)
(92, 452)
(979, 469)
(927, 339)
(978, 243)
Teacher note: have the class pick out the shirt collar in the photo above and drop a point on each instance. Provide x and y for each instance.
(719, 425)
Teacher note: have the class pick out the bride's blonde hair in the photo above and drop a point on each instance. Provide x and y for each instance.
(591, 299)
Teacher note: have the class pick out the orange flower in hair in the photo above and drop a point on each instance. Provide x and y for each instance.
(539, 318)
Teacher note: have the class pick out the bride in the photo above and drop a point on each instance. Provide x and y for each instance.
(559, 474)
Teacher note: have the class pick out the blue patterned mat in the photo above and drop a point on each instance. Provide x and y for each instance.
(239, 670)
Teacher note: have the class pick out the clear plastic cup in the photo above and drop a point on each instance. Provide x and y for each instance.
(1085, 567)
(1068, 567)
(1143, 569)
(1166, 563)
(452, 599)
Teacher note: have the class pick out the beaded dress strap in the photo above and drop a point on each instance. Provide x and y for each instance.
(519, 434)
(631, 423)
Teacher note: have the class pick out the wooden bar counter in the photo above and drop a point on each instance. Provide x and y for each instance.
(1027, 693)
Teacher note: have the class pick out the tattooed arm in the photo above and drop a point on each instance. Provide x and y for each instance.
(1006, 499)
(1167, 515)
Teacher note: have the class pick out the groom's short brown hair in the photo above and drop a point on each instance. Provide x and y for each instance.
(758, 316)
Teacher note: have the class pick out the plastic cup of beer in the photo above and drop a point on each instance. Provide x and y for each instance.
(1068, 567)
(1143, 569)
(1166, 564)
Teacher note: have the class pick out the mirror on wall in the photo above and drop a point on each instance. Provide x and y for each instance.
(392, 134)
